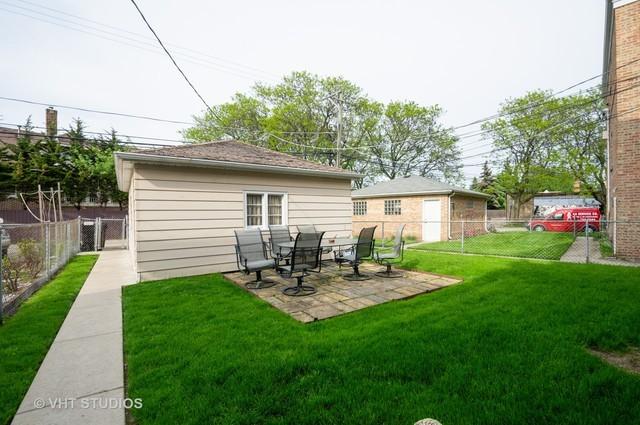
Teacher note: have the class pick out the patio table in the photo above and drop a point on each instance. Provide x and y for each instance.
(325, 243)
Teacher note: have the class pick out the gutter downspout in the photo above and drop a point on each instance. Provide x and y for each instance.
(449, 214)
(486, 228)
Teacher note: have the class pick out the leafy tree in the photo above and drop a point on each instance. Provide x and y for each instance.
(583, 148)
(79, 180)
(409, 140)
(525, 140)
(6, 171)
(25, 175)
(300, 115)
(105, 169)
(487, 183)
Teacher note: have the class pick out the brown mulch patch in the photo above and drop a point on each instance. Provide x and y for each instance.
(629, 360)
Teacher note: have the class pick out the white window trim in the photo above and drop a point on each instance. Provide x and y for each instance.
(265, 208)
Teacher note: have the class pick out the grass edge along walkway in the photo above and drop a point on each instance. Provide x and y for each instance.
(26, 336)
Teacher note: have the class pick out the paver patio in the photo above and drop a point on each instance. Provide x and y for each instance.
(338, 296)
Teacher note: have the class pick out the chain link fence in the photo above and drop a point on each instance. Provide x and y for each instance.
(578, 241)
(31, 254)
(99, 233)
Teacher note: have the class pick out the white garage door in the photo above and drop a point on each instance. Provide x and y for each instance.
(431, 220)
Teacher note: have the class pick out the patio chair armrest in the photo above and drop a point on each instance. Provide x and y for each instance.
(239, 259)
(266, 248)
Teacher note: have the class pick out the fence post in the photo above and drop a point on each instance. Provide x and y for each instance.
(586, 233)
(462, 240)
(79, 234)
(47, 249)
(1, 284)
(384, 242)
(67, 237)
(124, 227)
(95, 234)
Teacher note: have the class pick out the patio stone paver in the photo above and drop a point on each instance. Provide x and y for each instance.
(337, 296)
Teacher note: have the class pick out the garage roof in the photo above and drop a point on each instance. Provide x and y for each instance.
(227, 154)
(413, 185)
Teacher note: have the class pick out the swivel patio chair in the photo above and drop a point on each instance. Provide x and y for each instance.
(361, 250)
(304, 258)
(251, 256)
(310, 228)
(394, 256)
(277, 235)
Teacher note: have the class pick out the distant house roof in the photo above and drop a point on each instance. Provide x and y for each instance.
(228, 154)
(413, 185)
(9, 136)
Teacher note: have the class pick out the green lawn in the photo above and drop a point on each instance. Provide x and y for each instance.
(507, 346)
(25, 337)
(543, 245)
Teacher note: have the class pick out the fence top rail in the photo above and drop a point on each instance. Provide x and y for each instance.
(45, 223)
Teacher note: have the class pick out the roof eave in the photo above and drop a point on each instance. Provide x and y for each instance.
(422, 192)
(124, 176)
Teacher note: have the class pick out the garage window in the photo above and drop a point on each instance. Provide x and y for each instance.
(359, 207)
(265, 208)
(392, 207)
(469, 204)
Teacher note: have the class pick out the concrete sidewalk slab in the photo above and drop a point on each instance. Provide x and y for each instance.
(81, 380)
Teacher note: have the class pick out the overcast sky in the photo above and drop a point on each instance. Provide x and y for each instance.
(467, 56)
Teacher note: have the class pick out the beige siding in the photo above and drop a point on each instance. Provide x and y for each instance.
(185, 217)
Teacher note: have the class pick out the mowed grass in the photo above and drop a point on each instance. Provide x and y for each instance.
(26, 336)
(507, 346)
(543, 245)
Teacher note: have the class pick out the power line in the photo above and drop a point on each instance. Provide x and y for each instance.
(238, 65)
(154, 48)
(172, 59)
(96, 111)
(104, 133)
(142, 117)
(122, 142)
(494, 116)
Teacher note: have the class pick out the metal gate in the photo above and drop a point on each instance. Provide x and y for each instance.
(99, 233)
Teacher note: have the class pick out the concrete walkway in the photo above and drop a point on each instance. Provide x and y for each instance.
(577, 253)
(81, 380)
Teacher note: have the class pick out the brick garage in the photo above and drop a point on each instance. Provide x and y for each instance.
(620, 80)
(413, 200)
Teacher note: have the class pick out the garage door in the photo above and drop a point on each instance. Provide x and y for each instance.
(431, 220)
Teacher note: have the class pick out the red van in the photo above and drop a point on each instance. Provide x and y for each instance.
(568, 219)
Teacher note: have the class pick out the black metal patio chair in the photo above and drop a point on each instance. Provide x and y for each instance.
(310, 228)
(277, 235)
(305, 257)
(362, 249)
(388, 258)
(251, 256)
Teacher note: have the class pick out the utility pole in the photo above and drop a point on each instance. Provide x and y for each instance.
(338, 105)
(339, 135)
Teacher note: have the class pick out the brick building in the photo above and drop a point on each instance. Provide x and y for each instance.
(432, 210)
(621, 83)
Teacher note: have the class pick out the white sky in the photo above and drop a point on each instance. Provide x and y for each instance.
(467, 55)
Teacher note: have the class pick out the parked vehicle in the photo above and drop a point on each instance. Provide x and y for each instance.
(5, 239)
(568, 220)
